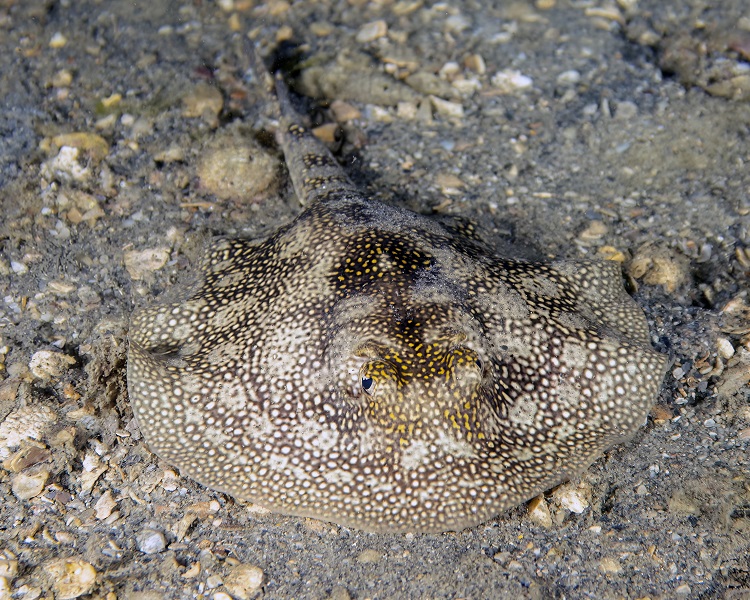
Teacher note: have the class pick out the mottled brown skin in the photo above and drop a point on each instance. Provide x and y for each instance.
(373, 367)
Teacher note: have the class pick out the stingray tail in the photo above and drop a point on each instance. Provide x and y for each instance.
(315, 173)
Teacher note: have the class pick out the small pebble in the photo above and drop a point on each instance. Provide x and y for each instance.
(284, 34)
(475, 63)
(595, 231)
(456, 24)
(659, 266)
(29, 422)
(106, 123)
(538, 512)
(449, 70)
(65, 166)
(63, 78)
(170, 481)
(449, 184)
(170, 155)
(368, 557)
(609, 565)
(378, 113)
(8, 566)
(339, 593)
(104, 505)
(571, 498)
(321, 28)
(466, 86)
(94, 146)
(514, 565)
(111, 101)
(590, 109)
(509, 81)
(48, 365)
(138, 263)
(568, 78)
(73, 577)
(628, 5)
(725, 348)
(58, 40)
(611, 253)
(192, 572)
(151, 541)
(234, 169)
(608, 13)
(26, 486)
(327, 133)
(344, 112)
(203, 101)
(258, 510)
(372, 31)
(626, 110)
(406, 110)
(406, 7)
(18, 267)
(276, 8)
(234, 22)
(243, 581)
(447, 108)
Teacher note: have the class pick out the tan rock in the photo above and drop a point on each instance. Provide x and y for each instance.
(368, 557)
(326, 133)
(26, 423)
(372, 31)
(8, 565)
(48, 365)
(94, 146)
(140, 262)
(203, 101)
(510, 81)
(447, 108)
(609, 565)
(105, 505)
(244, 581)
(26, 486)
(343, 111)
(575, 498)
(475, 63)
(659, 266)
(235, 168)
(538, 512)
(58, 40)
(72, 577)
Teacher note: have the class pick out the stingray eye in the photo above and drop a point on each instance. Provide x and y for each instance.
(368, 385)
(480, 365)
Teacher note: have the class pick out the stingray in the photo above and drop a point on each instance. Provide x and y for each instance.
(386, 370)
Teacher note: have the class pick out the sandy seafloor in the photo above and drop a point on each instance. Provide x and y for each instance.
(629, 140)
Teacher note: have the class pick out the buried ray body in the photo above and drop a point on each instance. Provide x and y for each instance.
(383, 370)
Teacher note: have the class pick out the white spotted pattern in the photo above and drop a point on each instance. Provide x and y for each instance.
(379, 369)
